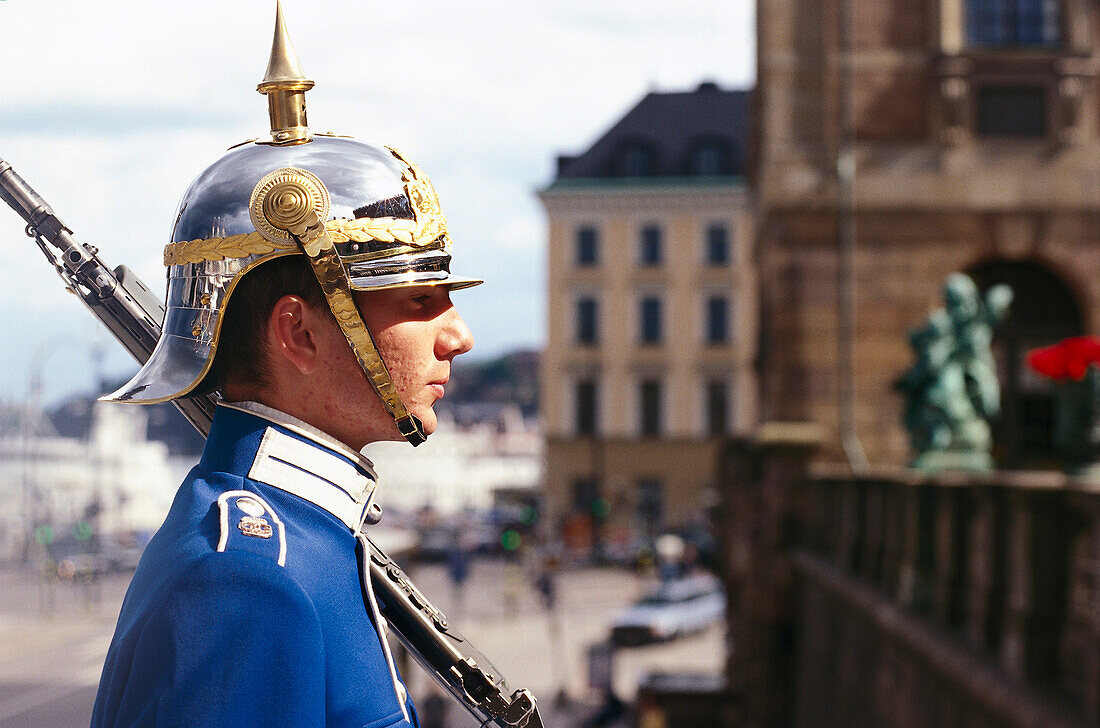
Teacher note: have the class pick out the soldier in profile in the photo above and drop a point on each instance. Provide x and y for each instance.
(309, 283)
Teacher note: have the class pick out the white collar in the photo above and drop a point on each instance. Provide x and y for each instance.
(316, 474)
(304, 429)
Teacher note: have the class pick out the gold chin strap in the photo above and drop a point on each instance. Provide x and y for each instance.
(286, 199)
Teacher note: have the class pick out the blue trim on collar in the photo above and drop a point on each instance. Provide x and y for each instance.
(235, 437)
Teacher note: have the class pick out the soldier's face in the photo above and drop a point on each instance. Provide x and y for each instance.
(418, 332)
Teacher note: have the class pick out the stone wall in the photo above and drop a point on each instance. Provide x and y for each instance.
(931, 193)
(893, 599)
(900, 265)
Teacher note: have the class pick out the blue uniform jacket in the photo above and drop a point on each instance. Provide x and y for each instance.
(247, 608)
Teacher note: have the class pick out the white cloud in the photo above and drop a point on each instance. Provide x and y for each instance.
(117, 105)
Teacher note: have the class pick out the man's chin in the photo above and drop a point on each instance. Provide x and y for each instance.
(428, 419)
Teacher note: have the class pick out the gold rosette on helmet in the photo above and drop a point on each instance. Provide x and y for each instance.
(377, 211)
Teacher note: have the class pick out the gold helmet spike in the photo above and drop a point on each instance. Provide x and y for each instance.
(285, 86)
(377, 225)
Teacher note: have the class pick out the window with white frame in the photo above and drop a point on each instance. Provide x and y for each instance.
(1013, 23)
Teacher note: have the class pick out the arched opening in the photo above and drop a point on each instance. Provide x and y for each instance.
(1044, 311)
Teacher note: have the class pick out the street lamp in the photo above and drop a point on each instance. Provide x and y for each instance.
(34, 427)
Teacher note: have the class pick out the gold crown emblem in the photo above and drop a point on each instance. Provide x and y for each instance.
(430, 222)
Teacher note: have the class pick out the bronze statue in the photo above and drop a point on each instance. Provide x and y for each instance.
(952, 392)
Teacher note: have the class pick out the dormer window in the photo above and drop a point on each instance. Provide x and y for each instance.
(710, 158)
(635, 159)
(1013, 23)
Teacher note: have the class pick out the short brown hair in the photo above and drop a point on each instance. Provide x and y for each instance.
(241, 356)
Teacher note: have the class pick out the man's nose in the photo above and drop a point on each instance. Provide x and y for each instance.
(454, 338)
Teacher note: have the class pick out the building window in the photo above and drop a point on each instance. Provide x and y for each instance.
(1009, 23)
(649, 400)
(650, 507)
(587, 320)
(717, 408)
(718, 320)
(651, 246)
(586, 417)
(650, 324)
(1015, 111)
(710, 159)
(718, 245)
(635, 159)
(588, 246)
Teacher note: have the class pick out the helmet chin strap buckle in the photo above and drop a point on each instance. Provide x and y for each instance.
(412, 429)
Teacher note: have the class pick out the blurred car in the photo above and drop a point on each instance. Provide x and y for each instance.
(677, 607)
(120, 559)
(434, 543)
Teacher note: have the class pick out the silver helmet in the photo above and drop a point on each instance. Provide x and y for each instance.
(364, 216)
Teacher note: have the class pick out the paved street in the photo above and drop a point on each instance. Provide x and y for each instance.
(50, 657)
(52, 643)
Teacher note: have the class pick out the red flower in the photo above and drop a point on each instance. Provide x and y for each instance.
(1068, 359)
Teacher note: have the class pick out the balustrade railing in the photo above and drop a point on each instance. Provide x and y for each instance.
(898, 599)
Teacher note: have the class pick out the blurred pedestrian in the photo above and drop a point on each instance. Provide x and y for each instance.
(458, 569)
(513, 587)
(650, 714)
(546, 584)
(611, 711)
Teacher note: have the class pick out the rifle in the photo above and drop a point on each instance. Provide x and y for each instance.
(131, 312)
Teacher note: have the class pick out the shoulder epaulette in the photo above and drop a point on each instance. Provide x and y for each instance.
(248, 523)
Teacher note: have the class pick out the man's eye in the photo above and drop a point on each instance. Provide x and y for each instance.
(421, 300)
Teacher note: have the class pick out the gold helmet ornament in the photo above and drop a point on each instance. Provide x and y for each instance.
(364, 216)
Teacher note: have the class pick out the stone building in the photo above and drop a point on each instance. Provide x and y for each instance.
(969, 132)
(116, 478)
(652, 305)
(461, 466)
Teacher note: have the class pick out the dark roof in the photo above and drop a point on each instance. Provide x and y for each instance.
(695, 133)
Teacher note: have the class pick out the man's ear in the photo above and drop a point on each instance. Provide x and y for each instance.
(292, 333)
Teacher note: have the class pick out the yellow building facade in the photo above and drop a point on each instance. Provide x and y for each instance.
(652, 330)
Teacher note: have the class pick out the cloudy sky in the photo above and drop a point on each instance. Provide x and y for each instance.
(109, 109)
